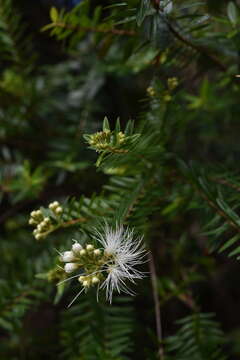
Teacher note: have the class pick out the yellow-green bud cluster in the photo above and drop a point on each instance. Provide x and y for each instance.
(151, 92)
(89, 280)
(121, 138)
(172, 83)
(102, 140)
(85, 258)
(167, 97)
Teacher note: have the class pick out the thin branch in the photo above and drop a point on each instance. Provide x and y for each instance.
(93, 29)
(64, 225)
(157, 305)
(219, 211)
(121, 32)
(73, 222)
(225, 182)
(199, 48)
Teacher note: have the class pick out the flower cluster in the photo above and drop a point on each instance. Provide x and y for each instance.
(44, 223)
(108, 266)
(106, 140)
(172, 83)
(151, 92)
(165, 95)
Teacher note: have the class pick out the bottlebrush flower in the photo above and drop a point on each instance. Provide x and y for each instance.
(110, 266)
(124, 252)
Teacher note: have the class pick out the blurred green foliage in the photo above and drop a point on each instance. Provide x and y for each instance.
(172, 174)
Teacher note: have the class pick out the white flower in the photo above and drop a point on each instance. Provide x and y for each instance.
(125, 252)
(110, 266)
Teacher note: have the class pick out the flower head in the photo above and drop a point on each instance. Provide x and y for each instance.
(125, 253)
(111, 265)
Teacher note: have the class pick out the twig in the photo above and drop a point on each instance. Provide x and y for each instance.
(73, 222)
(225, 182)
(92, 29)
(64, 225)
(157, 305)
(198, 48)
(114, 31)
(219, 211)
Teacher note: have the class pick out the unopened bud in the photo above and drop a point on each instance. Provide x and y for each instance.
(76, 247)
(97, 252)
(59, 210)
(68, 256)
(70, 267)
(95, 280)
(40, 226)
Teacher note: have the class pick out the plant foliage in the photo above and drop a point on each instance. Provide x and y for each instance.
(120, 113)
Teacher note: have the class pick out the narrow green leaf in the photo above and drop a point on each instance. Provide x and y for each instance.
(106, 125)
(54, 14)
(235, 252)
(232, 13)
(118, 127)
(229, 243)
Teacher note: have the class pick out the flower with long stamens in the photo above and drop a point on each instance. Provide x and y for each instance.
(125, 252)
(110, 266)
